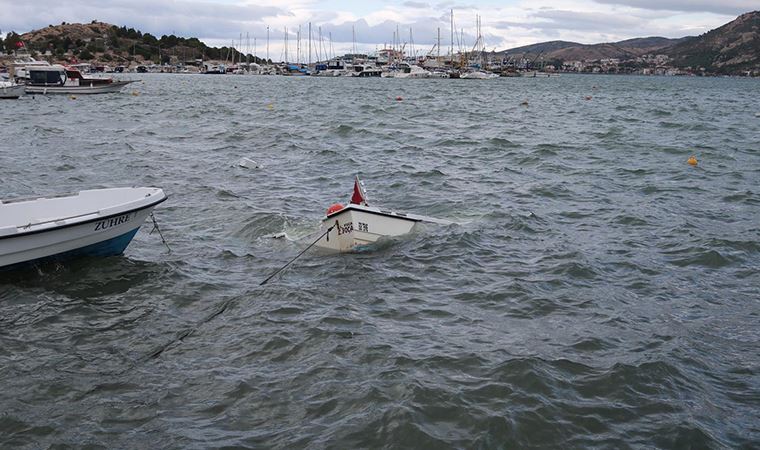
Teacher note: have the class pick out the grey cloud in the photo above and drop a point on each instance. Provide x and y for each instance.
(181, 17)
(550, 22)
(416, 5)
(728, 7)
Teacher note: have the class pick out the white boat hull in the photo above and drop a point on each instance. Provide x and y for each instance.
(357, 225)
(116, 86)
(101, 232)
(12, 91)
(355, 228)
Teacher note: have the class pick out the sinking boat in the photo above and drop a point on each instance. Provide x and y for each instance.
(348, 228)
(99, 222)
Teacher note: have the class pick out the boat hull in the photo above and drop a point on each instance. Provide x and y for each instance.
(116, 86)
(12, 92)
(353, 228)
(106, 236)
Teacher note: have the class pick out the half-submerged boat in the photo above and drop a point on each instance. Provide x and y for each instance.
(358, 224)
(99, 222)
(57, 79)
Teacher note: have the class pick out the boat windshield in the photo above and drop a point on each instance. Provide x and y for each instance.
(44, 77)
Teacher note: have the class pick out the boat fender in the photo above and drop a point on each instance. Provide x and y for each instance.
(335, 207)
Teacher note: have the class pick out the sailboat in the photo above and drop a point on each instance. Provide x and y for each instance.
(476, 72)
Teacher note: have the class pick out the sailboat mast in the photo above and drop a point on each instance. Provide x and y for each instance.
(438, 56)
(451, 55)
(286, 45)
(267, 44)
(309, 43)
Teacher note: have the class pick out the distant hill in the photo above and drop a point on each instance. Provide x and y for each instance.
(107, 43)
(543, 47)
(573, 51)
(732, 48)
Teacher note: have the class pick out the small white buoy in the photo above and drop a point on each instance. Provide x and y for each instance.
(248, 163)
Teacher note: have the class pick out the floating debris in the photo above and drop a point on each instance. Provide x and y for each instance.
(399, 98)
(692, 161)
(72, 97)
(248, 163)
(135, 93)
(524, 103)
(588, 97)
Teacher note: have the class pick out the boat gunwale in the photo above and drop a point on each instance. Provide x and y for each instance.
(84, 222)
(371, 211)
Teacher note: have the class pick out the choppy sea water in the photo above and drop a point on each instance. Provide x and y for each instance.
(596, 291)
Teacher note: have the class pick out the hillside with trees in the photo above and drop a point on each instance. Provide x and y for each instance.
(107, 43)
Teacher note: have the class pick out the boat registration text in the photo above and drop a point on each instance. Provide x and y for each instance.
(112, 222)
(349, 227)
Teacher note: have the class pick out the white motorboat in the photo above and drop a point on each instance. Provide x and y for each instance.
(366, 70)
(478, 75)
(23, 62)
(57, 79)
(406, 70)
(358, 224)
(11, 90)
(98, 222)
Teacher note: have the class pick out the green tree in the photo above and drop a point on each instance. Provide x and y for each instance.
(149, 39)
(11, 42)
(85, 54)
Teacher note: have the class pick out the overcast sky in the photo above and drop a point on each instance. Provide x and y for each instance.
(505, 24)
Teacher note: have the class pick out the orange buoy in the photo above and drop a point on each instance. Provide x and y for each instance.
(399, 98)
(692, 160)
(335, 207)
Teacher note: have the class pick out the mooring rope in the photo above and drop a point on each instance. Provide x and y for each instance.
(181, 335)
(298, 255)
(156, 228)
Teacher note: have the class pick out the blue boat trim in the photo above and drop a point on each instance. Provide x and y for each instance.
(97, 219)
(109, 247)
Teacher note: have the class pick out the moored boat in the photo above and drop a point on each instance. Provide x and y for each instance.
(57, 79)
(99, 222)
(358, 224)
(11, 90)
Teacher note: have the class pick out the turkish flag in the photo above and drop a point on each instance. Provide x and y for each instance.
(358, 198)
(19, 44)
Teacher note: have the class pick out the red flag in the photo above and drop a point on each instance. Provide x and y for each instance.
(359, 198)
(19, 44)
